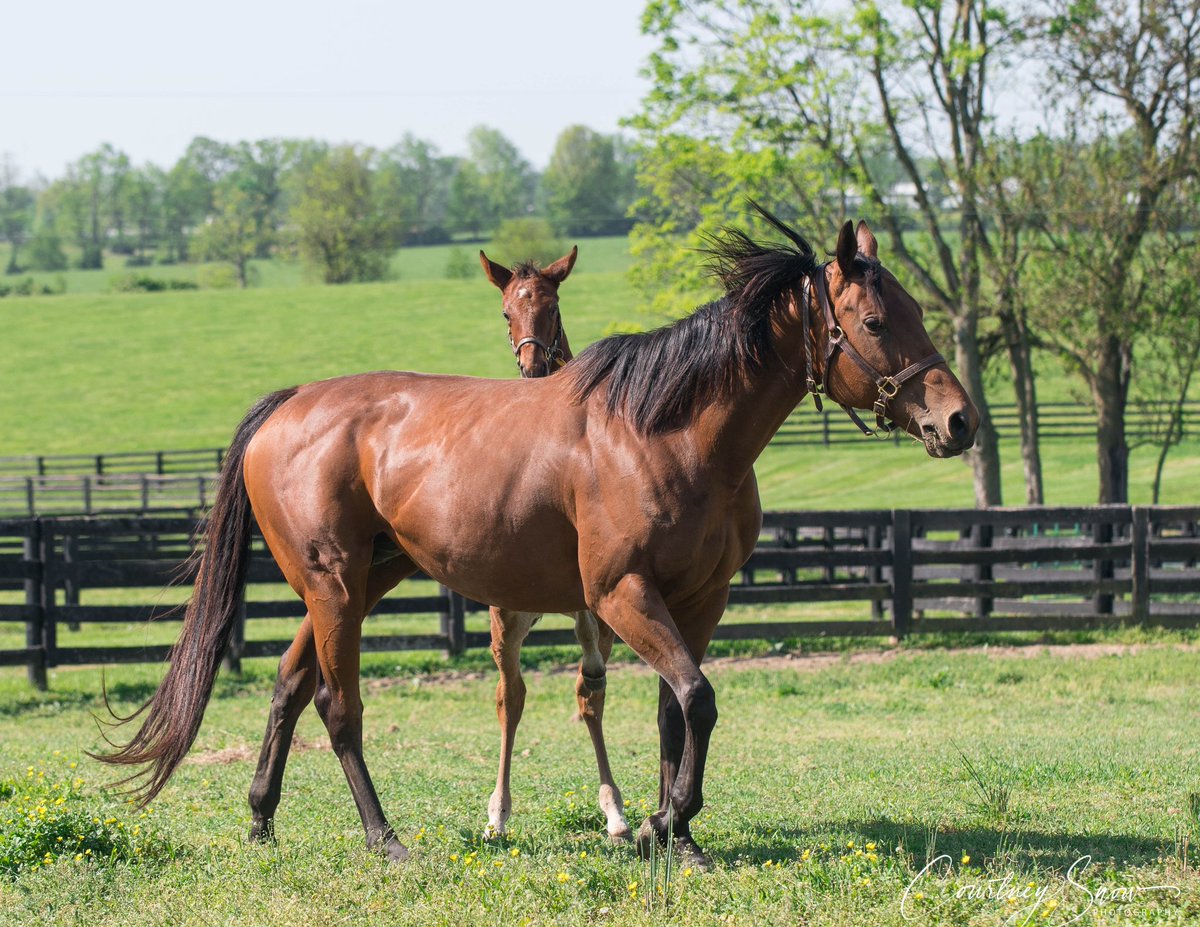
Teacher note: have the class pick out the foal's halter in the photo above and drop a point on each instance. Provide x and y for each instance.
(888, 386)
(553, 352)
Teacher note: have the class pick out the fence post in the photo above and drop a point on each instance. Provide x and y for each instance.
(1139, 542)
(32, 553)
(1102, 533)
(70, 551)
(982, 536)
(825, 428)
(49, 555)
(454, 621)
(902, 601)
(875, 572)
(30, 499)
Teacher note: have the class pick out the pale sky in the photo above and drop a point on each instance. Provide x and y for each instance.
(148, 76)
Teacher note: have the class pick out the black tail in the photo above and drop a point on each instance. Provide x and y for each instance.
(174, 712)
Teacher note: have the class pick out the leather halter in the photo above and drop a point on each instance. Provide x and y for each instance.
(888, 386)
(553, 352)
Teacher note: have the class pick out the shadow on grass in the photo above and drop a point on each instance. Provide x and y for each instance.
(1037, 849)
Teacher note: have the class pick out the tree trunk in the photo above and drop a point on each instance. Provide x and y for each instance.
(984, 457)
(1020, 360)
(13, 266)
(1110, 394)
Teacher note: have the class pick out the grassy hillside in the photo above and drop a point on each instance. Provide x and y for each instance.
(99, 371)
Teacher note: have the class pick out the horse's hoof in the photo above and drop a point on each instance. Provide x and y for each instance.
(262, 832)
(688, 855)
(395, 851)
(645, 839)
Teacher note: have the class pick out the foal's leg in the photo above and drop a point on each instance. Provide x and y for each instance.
(596, 639)
(635, 610)
(509, 630)
(295, 685)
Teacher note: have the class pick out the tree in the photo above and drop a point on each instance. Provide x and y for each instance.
(816, 98)
(414, 180)
(235, 231)
(142, 205)
(16, 212)
(495, 183)
(343, 234)
(585, 189)
(1127, 78)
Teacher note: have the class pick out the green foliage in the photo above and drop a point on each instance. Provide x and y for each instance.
(525, 239)
(143, 283)
(460, 265)
(238, 231)
(343, 233)
(46, 252)
(47, 820)
(492, 184)
(30, 286)
(587, 190)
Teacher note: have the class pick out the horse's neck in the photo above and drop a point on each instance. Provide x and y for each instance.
(564, 345)
(732, 433)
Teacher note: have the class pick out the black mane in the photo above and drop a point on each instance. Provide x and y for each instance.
(526, 269)
(658, 380)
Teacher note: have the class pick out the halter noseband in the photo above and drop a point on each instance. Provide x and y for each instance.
(553, 351)
(888, 386)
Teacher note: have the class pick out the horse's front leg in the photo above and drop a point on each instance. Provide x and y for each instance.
(596, 639)
(635, 610)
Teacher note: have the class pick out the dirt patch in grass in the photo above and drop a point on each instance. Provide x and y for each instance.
(245, 753)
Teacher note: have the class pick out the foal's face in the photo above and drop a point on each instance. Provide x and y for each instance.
(885, 324)
(531, 310)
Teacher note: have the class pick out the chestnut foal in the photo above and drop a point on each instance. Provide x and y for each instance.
(539, 342)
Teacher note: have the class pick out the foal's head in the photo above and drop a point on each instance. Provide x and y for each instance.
(885, 325)
(535, 328)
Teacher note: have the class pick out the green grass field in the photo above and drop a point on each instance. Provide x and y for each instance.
(832, 781)
(94, 371)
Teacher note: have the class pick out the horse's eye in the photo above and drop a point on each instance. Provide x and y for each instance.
(506, 318)
(874, 326)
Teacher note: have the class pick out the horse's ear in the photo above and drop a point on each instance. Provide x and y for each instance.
(497, 273)
(847, 247)
(559, 270)
(866, 241)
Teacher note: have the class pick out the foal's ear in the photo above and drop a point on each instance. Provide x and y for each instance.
(866, 241)
(497, 273)
(847, 247)
(559, 270)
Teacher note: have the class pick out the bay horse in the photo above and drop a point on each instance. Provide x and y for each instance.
(539, 342)
(633, 495)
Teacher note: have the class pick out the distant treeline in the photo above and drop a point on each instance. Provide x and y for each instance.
(344, 208)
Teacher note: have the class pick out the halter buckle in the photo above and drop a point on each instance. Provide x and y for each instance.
(887, 383)
(836, 334)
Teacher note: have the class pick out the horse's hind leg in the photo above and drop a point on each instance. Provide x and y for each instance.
(596, 639)
(509, 630)
(295, 685)
(336, 596)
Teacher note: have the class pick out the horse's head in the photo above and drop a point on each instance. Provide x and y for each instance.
(535, 329)
(878, 354)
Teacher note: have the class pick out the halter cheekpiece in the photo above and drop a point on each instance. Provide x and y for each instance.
(887, 386)
(553, 352)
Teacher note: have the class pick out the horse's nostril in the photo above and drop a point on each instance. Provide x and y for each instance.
(958, 426)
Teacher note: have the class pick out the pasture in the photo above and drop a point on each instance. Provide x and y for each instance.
(93, 371)
(832, 780)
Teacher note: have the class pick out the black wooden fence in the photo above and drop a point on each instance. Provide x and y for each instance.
(903, 572)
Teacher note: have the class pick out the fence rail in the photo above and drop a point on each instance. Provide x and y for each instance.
(913, 572)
